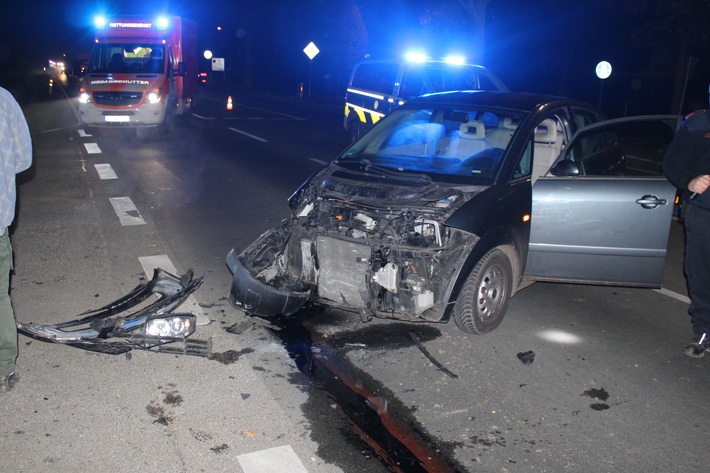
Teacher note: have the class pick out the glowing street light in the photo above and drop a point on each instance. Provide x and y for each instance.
(603, 71)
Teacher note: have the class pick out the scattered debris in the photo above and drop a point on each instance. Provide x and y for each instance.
(220, 448)
(426, 353)
(600, 394)
(230, 356)
(241, 327)
(173, 398)
(599, 406)
(527, 357)
(111, 330)
(159, 413)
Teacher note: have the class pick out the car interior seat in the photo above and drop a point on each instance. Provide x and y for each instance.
(472, 136)
(548, 145)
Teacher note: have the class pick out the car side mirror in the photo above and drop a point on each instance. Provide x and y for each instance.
(565, 168)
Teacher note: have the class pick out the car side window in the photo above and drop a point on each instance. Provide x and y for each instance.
(376, 77)
(584, 118)
(524, 166)
(623, 149)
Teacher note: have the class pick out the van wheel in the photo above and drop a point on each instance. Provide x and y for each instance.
(484, 297)
(354, 130)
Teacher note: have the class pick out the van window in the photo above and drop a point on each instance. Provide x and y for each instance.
(427, 79)
(376, 77)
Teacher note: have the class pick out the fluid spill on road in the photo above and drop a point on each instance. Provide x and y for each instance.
(375, 418)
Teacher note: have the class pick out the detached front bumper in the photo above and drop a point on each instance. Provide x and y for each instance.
(256, 298)
(112, 330)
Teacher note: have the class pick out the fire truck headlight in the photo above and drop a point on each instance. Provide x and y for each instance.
(84, 97)
(154, 97)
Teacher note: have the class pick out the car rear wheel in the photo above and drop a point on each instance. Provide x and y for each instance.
(354, 130)
(484, 297)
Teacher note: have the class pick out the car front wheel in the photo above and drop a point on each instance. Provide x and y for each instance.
(484, 297)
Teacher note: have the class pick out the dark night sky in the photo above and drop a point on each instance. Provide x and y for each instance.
(545, 46)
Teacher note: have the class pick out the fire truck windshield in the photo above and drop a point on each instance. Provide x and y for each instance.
(133, 58)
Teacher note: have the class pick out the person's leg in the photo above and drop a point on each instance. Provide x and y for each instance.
(697, 269)
(8, 328)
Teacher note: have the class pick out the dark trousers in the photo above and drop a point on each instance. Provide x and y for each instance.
(8, 330)
(697, 266)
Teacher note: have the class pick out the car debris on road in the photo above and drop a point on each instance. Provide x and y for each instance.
(111, 330)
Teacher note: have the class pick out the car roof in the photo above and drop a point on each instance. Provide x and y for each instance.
(522, 101)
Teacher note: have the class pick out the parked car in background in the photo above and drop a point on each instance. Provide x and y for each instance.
(454, 201)
(377, 87)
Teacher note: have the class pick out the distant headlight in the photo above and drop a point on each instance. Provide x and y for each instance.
(170, 326)
(84, 97)
(154, 97)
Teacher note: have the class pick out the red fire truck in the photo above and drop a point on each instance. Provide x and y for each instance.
(141, 72)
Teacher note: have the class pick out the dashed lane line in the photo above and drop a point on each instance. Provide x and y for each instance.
(674, 295)
(127, 212)
(272, 460)
(249, 135)
(105, 171)
(92, 148)
(149, 263)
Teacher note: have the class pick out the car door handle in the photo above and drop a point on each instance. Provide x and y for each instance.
(651, 202)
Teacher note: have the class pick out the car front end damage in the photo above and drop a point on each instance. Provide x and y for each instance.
(114, 329)
(360, 241)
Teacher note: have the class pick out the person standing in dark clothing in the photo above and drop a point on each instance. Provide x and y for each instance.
(15, 156)
(687, 166)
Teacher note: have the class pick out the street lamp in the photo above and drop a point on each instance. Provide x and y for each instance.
(603, 71)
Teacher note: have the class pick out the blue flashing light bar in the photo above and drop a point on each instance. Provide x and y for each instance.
(415, 56)
(100, 22)
(455, 60)
(162, 23)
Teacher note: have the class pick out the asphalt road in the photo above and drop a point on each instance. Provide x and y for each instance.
(577, 378)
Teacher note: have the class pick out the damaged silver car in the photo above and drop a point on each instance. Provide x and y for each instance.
(455, 201)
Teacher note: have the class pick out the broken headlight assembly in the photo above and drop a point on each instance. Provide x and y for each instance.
(113, 329)
(172, 326)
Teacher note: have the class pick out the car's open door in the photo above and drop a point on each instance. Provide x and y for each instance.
(602, 213)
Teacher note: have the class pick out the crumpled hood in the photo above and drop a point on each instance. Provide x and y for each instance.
(374, 190)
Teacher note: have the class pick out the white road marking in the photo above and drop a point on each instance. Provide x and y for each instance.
(272, 460)
(319, 161)
(83, 134)
(202, 117)
(105, 171)
(149, 263)
(92, 148)
(674, 295)
(127, 212)
(249, 135)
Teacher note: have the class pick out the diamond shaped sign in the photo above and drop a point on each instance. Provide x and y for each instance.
(311, 50)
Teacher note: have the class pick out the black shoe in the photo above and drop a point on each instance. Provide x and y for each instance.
(9, 381)
(698, 346)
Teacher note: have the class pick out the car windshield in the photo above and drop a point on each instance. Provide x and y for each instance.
(128, 58)
(453, 143)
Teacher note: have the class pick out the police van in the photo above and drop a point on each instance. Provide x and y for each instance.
(378, 87)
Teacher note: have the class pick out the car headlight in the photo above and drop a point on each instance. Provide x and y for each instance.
(170, 326)
(84, 97)
(154, 96)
